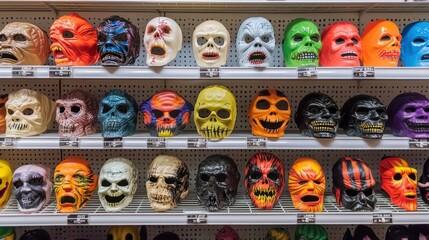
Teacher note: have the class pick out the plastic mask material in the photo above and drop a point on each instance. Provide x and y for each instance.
(381, 44)
(3, 100)
(277, 234)
(35, 234)
(362, 232)
(74, 41)
(424, 183)
(399, 232)
(227, 233)
(414, 45)
(28, 113)
(166, 236)
(123, 233)
(5, 183)
(301, 43)
(310, 232)
(7, 233)
(399, 180)
(341, 46)
(74, 184)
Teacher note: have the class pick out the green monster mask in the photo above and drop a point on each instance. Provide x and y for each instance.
(310, 232)
(7, 233)
(301, 43)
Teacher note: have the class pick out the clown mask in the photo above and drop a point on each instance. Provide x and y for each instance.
(123, 233)
(3, 100)
(414, 45)
(74, 41)
(277, 234)
(310, 232)
(5, 182)
(227, 233)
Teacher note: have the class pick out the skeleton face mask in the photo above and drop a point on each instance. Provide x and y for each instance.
(255, 43)
(381, 44)
(5, 182)
(217, 182)
(310, 232)
(3, 100)
(28, 113)
(123, 233)
(277, 234)
(414, 45)
(227, 233)
(211, 43)
(424, 182)
(167, 182)
(35, 234)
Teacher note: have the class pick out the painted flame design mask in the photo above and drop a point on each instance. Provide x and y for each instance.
(3, 100)
(5, 183)
(277, 234)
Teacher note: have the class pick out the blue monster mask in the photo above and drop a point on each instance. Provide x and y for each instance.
(118, 114)
(118, 41)
(415, 45)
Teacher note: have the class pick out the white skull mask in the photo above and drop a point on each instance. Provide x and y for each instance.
(255, 43)
(117, 184)
(162, 40)
(211, 43)
(28, 113)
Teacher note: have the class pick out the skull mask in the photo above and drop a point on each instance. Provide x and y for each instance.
(118, 114)
(123, 233)
(166, 113)
(277, 234)
(414, 45)
(117, 184)
(35, 234)
(167, 182)
(317, 116)
(118, 41)
(269, 113)
(341, 46)
(381, 44)
(301, 43)
(264, 180)
(23, 43)
(255, 43)
(33, 187)
(363, 116)
(210, 43)
(310, 232)
(3, 100)
(227, 233)
(217, 182)
(399, 180)
(5, 182)
(76, 114)
(424, 182)
(162, 40)
(353, 184)
(28, 113)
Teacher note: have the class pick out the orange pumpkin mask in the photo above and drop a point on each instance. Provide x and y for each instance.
(307, 185)
(3, 100)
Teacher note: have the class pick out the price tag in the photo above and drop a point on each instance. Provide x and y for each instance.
(197, 218)
(69, 142)
(363, 72)
(210, 72)
(113, 142)
(418, 143)
(156, 143)
(60, 71)
(197, 143)
(382, 218)
(7, 142)
(256, 142)
(306, 72)
(22, 71)
(305, 218)
(78, 219)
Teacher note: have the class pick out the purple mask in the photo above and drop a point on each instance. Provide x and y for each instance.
(227, 233)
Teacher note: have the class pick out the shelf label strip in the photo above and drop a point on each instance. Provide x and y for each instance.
(256, 142)
(7, 142)
(305, 218)
(197, 143)
(69, 142)
(363, 72)
(209, 72)
(307, 72)
(78, 219)
(156, 143)
(197, 219)
(382, 218)
(60, 71)
(22, 72)
(113, 142)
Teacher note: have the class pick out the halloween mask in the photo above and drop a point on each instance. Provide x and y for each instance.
(255, 43)
(227, 233)
(341, 46)
(414, 45)
(381, 44)
(215, 112)
(7, 233)
(317, 116)
(264, 179)
(33, 187)
(23, 43)
(363, 116)
(3, 100)
(424, 182)
(5, 182)
(310, 232)
(210, 43)
(307, 185)
(398, 232)
(35, 234)
(167, 182)
(118, 41)
(363, 232)
(123, 233)
(166, 114)
(162, 40)
(419, 231)
(118, 114)
(269, 113)
(409, 115)
(301, 43)
(28, 113)
(353, 185)
(74, 183)
(76, 114)
(74, 41)
(166, 236)
(399, 181)
(117, 184)
(217, 182)
(277, 234)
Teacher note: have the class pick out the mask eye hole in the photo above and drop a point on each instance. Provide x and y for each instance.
(314, 38)
(106, 108)
(3, 38)
(265, 38)
(273, 176)
(248, 39)
(122, 37)
(18, 184)
(332, 110)
(418, 41)
(314, 110)
(157, 113)
(109, 237)
(166, 29)
(62, 109)
(28, 111)
(68, 34)
(123, 108)
(351, 192)
(302, 182)
(355, 41)
(19, 38)
(410, 109)
(123, 183)
(412, 176)
(221, 177)
(367, 192)
(153, 179)
(397, 177)
(340, 41)
(204, 177)
(317, 182)
(223, 113)
(362, 111)
(282, 105)
(426, 109)
(263, 104)
(102, 37)
(75, 109)
(170, 180)
(204, 113)
(385, 38)
(174, 113)
(9, 111)
(151, 29)
(201, 41)
(219, 41)
(129, 236)
(105, 183)
(256, 175)
(38, 181)
(380, 110)
(297, 38)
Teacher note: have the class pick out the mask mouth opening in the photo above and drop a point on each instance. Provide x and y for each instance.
(306, 56)
(425, 57)
(349, 55)
(257, 57)
(112, 56)
(271, 125)
(418, 127)
(269, 193)
(211, 55)
(30, 200)
(67, 129)
(410, 196)
(114, 200)
(372, 127)
(323, 126)
(3, 191)
(68, 200)
(310, 198)
(157, 50)
(59, 55)
(18, 126)
(8, 56)
(390, 54)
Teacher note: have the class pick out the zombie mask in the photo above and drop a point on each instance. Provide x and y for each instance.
(310, 232)
(74, 41)
(363, 116)
(307, 185)
(74, 183)
(167, 182)
(217, 182)
(409, 115)
(7, 233)
(353, 185)
(399, 181)
(166, 114)
(277, 234)
(33, 187)
(341, 46)
(117, 184)
(123, 233)
(424, 182)
(118, 41)
(162, 40)
(23, 43)
(215, 112)
(35, 234)
(269, 113)
(264, 180)
(118, 114)
(414, 45)
(210, 43)
(227, 233)
(28, 113)
(166, 236)
(381, 44)
(5, 182)
(3, 100)
(76, 114)
(317, 116)
(301, 43)
(398, 232)
(255, 43)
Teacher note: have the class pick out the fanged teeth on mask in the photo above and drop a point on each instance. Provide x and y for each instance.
(17, 126)
(271, 125)
(305, 56)
(113, 55)
(257, 57)
(159, 198)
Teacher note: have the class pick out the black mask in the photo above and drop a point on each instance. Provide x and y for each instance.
(424, 182)
(166, 236)
(398, 232)
(363, 231)
(35, 234)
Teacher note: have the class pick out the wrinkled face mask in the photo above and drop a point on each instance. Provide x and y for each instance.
(277, 234)
(310, 232)
(414, 45)
(123, 233)
(35, 234)
(3, 100)
(5, 182)
(227, 233)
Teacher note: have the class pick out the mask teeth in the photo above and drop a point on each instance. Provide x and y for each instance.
(211, 132)
(166, 131)
(418, 127)
(17, 126)
(372, 127)
(305, 56)
(112, 125)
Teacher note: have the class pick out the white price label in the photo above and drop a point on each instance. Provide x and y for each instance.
(22, 71)
(256, 142)
(209, 72)
(307, 72)
(8, 142)
(197, 143)
(382, 218)
(113, 142)
(418, 143)
(363, 72)
(60, 71)
(156, 143)
(305, 218)
(69, 142)
(78, 219)
(197, 218)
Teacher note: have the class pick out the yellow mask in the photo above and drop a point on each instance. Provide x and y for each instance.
(6, 181)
